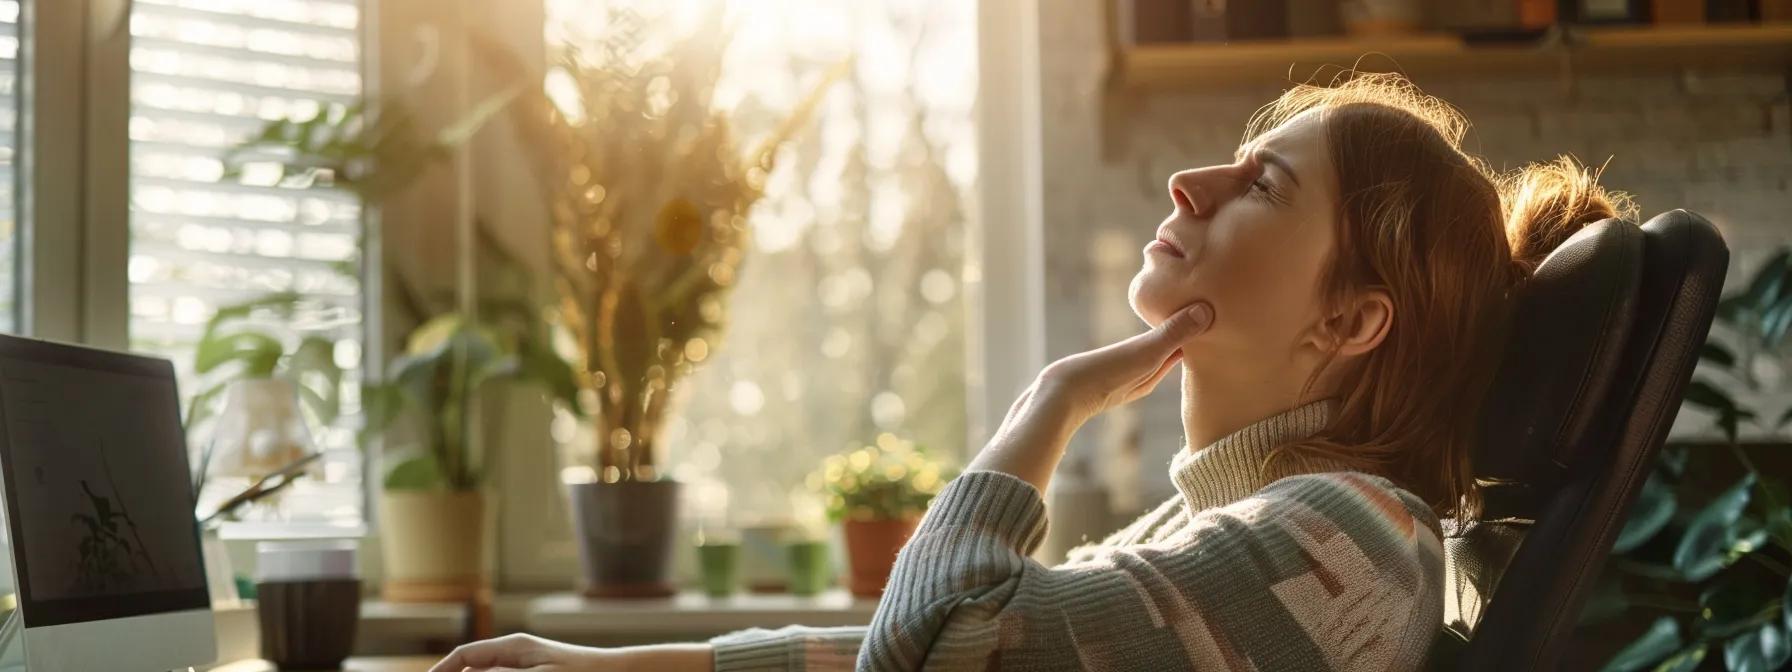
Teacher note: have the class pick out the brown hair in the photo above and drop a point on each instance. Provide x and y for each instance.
(1449, 240)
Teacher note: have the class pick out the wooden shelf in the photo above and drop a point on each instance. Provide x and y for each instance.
(1607, 50)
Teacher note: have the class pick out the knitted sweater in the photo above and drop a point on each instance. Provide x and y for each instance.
(1322, 569)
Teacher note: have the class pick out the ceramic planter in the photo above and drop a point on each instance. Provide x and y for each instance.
(435, 544)
(625, 534)
(871, 547)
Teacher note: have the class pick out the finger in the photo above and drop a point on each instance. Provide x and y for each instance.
(478, 655)
(1150, 383)
(1186, 324)
(1168, 336)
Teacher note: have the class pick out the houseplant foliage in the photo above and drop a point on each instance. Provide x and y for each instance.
(432, 508)
(449, 358)
(878, 492)
(649, 193)
(236, 350)
(1706, 555)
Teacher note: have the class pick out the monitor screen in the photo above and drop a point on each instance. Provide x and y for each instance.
(98, 498)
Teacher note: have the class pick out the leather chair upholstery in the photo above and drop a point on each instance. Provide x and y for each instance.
(1603, 343)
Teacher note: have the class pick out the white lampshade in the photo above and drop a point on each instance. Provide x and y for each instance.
(260, 431)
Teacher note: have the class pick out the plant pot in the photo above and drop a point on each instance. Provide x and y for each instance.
(625, 534)
(871, 547)
(434, 545)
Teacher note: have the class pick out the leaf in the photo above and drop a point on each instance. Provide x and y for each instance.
(1710, 534)
(1705, 395)
(1762, 649)
(1775, 322)
(1655, 506)
(380, 407)
(1684, 660)
(435, 334)
(1661, 639)
(1608, 601)
(313, 369)
(259, 353)
(1775, 503)
(416, 473)
(1717, 354)
(540, 364)
(1673, 459)
(1786, 606)
(1768, 283)
(1727, 608)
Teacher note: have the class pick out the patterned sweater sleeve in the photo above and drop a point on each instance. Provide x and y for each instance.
(794, 649)
(1326, 571)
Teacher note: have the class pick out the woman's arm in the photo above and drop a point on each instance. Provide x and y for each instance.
(1331, 571)
(794, 648)
(1031, 439)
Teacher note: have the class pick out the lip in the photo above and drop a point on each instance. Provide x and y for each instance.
(1167, 245)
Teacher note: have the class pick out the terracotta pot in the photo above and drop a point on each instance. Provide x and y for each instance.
(625, 533)
(871, 547)
(434, 545)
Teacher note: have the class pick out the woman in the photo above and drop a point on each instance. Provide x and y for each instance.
(1335, 295)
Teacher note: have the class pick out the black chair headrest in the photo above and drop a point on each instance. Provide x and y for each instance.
(1569, 326)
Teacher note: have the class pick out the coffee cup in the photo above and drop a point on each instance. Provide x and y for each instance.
(308, 602)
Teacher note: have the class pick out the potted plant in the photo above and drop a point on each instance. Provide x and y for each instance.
(1702, 570)
(649, 195)
(432, 510)
(878, 493)
(433, 506)
(260, 435)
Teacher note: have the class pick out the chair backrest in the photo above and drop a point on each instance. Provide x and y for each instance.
(1602, 346)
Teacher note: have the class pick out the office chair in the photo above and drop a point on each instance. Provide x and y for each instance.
(1603, 343)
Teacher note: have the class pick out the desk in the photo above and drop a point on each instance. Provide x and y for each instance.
(369, 664)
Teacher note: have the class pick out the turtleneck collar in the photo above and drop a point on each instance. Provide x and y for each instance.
(1229, 469)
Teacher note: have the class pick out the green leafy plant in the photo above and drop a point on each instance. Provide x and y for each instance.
(888, 479)
(449, 358)
(368, 150)
(236, 345)
(1707, 553)
(455, 349)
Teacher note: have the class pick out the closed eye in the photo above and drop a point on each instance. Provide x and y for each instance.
(1263, 189)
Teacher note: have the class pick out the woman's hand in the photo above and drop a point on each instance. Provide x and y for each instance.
(1087, 384)
(534, 654)
(1072, 390)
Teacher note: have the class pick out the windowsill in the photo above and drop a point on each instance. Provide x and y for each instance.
(689, 614)
(385, 627)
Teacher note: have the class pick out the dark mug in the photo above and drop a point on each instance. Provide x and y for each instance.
(308, 603)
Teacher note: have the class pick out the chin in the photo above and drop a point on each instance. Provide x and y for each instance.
(1149, 299)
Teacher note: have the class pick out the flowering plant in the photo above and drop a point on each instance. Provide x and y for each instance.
(889, 479)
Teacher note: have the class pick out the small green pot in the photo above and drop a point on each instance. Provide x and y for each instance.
(721, 568)
(810, 572)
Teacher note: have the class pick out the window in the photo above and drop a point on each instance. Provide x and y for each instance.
(849, 318)
(206, 75)
(9, 114)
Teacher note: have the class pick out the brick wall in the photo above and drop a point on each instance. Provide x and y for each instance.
(1718, 143)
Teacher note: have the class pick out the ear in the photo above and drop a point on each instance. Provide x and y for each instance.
(1361, 324)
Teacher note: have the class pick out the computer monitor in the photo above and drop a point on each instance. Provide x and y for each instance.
(98, 506)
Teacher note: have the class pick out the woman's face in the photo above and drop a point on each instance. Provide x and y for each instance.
(1250, 238)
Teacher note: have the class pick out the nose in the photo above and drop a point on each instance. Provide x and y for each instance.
(1206, 189)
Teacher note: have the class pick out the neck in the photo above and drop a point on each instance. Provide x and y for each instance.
(1214, 405)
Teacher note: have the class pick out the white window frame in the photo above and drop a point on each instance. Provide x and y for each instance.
(73, 157)
(73, 182)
